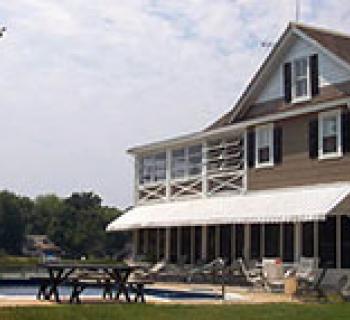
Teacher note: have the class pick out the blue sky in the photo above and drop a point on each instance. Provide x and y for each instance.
(81, 81)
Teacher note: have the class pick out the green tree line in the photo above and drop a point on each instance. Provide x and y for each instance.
(76, 224)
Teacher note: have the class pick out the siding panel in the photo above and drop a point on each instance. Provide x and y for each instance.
(297, 168)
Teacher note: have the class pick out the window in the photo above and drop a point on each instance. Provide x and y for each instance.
(264, 146)
(152, 168)
(178, 163)
(186, 162)
(329, 134)
(301, 78)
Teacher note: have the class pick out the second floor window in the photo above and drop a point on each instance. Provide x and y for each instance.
(152, 168)
(301, 78)
(329, 134)
(264, 146)
(186, 162)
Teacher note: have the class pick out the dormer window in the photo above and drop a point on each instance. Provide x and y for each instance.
(301, 79)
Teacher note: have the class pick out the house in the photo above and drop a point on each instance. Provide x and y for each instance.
(39, 245)
(271, 178)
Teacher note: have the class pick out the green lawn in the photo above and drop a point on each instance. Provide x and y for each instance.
(167, 312)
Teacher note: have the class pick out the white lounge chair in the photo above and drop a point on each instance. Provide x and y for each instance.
(252, 276)
(273, 276)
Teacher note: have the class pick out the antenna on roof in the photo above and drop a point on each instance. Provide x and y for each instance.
(297, 10)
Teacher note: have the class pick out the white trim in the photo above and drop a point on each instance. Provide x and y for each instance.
(195, 137)
(270, 163)
(321, 117)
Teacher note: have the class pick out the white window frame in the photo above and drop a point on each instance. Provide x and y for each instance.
(321, 117)
(270, 163)
(296, 99)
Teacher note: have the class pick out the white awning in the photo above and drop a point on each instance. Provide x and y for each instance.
(280, 205)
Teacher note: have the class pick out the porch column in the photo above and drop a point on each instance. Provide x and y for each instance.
(217, 241)
(281, 240)
(316, 237)
(204, 243)
(246, 249)
(233, 242)
(167, 244)
(158, 246)
(135, 241)
(297, 238)
(193, 239)
(179, 249)
(136, 180)
(338, 241)
(146, 241)
(262, 240)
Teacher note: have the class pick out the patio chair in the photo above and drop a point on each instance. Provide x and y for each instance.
(273, 277)
(252, 276)
(207, 270)
(343, 288)
(306, 269)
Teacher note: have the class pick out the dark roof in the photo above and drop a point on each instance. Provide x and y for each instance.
(335, 42)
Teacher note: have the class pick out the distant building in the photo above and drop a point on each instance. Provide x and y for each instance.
(41, 246)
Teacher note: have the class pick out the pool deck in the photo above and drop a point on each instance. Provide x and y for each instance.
(233, 295)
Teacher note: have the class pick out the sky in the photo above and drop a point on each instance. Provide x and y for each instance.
(82, 81)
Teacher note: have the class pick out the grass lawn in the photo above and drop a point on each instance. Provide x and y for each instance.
(169, 312)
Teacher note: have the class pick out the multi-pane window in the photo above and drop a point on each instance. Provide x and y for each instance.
(186, 162)
(264, 146)
(178, 163)
(301, 78)
(329, 134)
(152, 168)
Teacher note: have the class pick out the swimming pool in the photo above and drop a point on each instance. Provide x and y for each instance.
(30, 291)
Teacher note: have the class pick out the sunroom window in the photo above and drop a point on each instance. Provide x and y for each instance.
(329, 135)
(178, 163)
(264, 146)
(301, 79)
(186, 162)
(152, 168)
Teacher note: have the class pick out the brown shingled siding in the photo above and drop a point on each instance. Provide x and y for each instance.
(297, 169)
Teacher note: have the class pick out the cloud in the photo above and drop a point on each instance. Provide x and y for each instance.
(82, 81)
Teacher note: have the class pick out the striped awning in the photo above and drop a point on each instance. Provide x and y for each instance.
(299, 204)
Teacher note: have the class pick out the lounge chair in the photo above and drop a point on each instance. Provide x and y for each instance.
(207, 270)
(149, 274)
(274, 278)
(343, 288)
(252, 276)
(306, 269)
(313, 285)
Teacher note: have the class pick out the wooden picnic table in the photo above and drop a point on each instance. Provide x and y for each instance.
(60, 273)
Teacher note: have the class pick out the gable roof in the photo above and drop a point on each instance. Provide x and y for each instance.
(334, 43)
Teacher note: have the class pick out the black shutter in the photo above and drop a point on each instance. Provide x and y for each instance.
(315, 90)
(345, 129)
(251, 149)
(277, 145)
(313, 138)
(287, 82)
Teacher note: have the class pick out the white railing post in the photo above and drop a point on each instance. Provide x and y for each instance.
(204, 170)
(245, 157)
(136, 179)
(168, 174)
